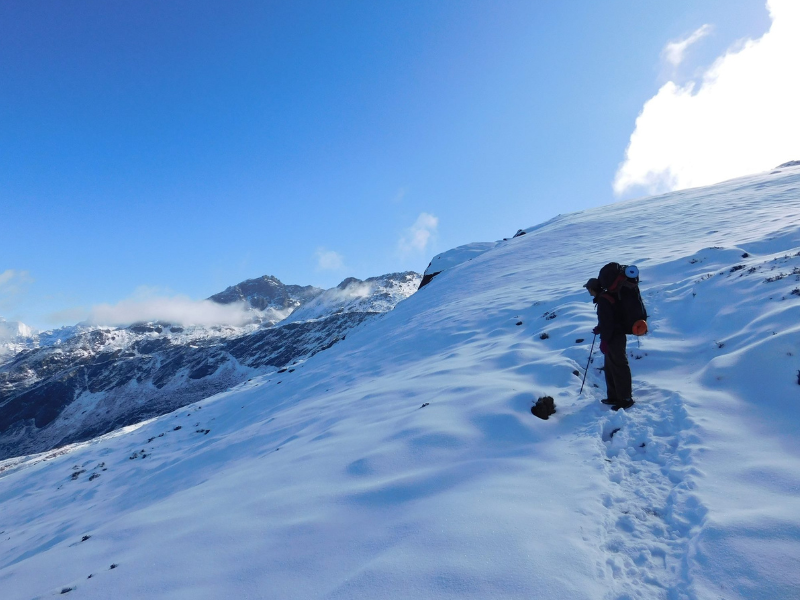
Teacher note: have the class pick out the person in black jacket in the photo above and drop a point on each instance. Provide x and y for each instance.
(613, 345)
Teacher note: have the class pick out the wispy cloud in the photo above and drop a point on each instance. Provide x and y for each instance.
(329, 260)
(13, 284)
(416, 238)
(12, 281)
(674, 52)
(741, 118)
(398, 197)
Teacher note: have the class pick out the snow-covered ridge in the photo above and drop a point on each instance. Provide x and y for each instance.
(405, 456)
(375, 294)
(453, 258)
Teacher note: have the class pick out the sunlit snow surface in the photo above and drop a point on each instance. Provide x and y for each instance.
(333, 481)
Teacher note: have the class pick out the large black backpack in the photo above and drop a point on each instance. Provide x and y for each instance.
(621, 284)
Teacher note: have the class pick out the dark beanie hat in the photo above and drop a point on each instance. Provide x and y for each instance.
(592, 284)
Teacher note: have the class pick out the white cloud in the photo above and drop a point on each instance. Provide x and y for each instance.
(741, 118)
(674, 52)
(329, 260)
(417, 237)
(176, 309)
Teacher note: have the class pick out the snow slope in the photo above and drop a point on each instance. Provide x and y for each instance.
(403, 462)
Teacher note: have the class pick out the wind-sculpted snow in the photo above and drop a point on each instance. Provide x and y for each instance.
(404, 461)
(452, 258)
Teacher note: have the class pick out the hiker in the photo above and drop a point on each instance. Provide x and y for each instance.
(613, 345)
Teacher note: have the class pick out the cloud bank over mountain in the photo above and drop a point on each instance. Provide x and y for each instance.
(176, 309)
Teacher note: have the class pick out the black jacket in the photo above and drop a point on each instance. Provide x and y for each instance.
(608, 318)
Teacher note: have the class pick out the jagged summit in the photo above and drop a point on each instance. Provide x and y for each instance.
(266, 292)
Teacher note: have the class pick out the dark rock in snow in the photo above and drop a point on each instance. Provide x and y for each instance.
(544, 407)
(426, 279)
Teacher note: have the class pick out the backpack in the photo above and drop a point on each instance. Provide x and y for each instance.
(621, 285)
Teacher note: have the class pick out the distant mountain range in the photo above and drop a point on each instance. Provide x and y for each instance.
(78, 382)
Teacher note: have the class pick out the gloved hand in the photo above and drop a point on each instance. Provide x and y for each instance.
(603, 346)
(596, 329)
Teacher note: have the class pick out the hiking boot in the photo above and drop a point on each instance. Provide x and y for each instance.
(623, 404)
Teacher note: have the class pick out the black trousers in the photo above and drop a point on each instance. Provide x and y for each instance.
(617, 370)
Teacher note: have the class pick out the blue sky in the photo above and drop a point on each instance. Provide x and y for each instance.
(163, 148)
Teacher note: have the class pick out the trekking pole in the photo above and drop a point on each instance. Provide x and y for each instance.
(588, 362)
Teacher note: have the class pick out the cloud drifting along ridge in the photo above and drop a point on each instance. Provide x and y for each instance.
(674, 52)
(177, 310)
(417, 237)
(741, 118)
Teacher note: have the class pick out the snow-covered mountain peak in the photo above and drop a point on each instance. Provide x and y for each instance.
(267, 292)
(14, 330)
(14, 337)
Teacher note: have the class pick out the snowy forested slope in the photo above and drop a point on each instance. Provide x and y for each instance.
(403, 462)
